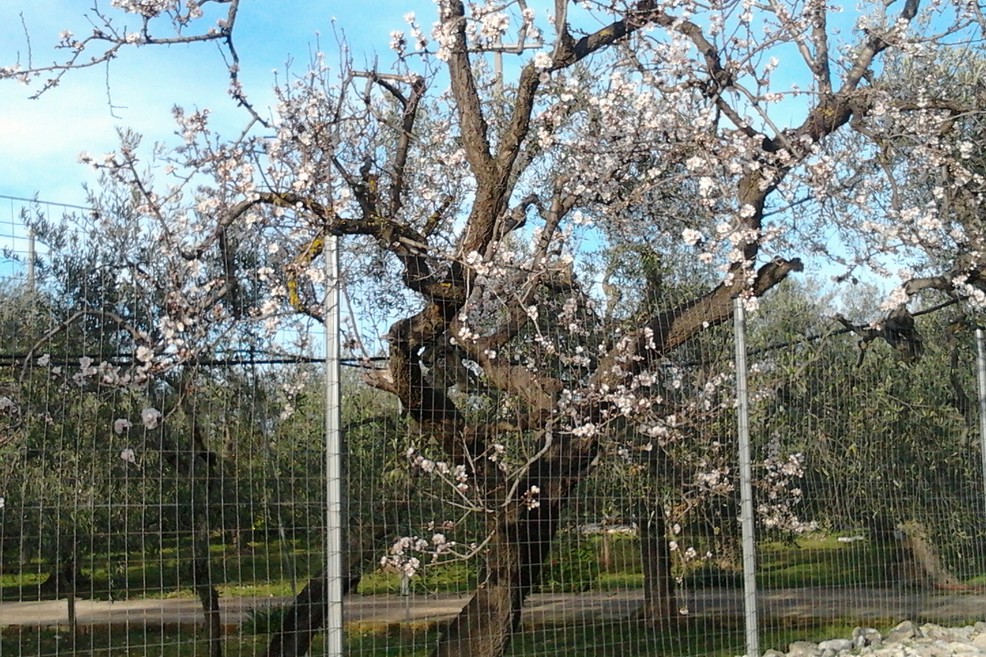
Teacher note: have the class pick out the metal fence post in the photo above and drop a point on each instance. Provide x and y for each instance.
(981, 378)
(32, 255)
(333, 455)
(746, 484)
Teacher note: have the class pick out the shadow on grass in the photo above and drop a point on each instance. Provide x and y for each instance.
(689, 637)
(265, 569)
(712, 637)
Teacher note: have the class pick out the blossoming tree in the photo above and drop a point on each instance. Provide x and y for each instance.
(471, 202)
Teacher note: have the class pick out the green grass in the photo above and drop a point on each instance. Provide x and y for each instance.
(263, 570)
(121, 643)
(444, 578)
(619, 581)
(618, 639)
(814, 561)
(825, 562)
(187, 643)
(699, 637)
(266, 570)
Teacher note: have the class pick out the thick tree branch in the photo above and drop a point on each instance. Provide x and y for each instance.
(475, 131)
(403, 145)
(819, 37)
(671, 329)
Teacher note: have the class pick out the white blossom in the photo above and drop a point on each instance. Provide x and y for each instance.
(150, 417)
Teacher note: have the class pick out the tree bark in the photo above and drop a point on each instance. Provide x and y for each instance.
(305, 618)
(520, 543)
(515, 560)
(522, 537)
(65, 576)
(660, 601)
(204, 587)
(922, 561)
(209, 597)
(202, 478)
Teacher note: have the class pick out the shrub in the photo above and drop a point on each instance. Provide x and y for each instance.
(572, 564)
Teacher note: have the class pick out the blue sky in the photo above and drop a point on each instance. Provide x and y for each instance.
(40, 140)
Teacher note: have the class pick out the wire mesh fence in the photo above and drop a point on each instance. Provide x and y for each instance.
(175, 500)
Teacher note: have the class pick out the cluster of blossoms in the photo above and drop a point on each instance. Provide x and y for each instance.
(529, 499)
(183, 11)
(455, 475)
(104, 373)
(401, 557)
(688, 554)
(398, 41)
(779, 494)
(8, 406)
(146, 8)
(711, 480)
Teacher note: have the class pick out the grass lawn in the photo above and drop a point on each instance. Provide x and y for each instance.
(814, 561)
(157, 642)
(278, 569)
(624, 639)
(264, 569)
(698, 637)
(824, 561)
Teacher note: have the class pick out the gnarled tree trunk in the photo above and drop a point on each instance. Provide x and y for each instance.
(522, 537)
(305, 618)
(520, 544)
(660, 602)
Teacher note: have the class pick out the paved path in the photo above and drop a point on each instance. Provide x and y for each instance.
(865, 604)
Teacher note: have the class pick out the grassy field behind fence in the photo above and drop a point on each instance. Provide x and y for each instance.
(627, 639)
(278, 569)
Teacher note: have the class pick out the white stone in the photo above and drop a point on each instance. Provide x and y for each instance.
(933, 631)
(803, 649)
(962, 648)
(901, 632)
(866, 636)
(835, 644)
(932, 648)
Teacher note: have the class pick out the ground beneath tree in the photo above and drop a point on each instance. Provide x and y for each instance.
(865, 604)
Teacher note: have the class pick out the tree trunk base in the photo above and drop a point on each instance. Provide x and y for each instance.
(63, 580)
(922, 565)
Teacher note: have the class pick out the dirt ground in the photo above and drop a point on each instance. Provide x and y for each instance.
(865, 604)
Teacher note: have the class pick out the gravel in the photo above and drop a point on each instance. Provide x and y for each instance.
(904, 640)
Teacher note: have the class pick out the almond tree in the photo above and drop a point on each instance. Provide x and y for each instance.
(470, 212)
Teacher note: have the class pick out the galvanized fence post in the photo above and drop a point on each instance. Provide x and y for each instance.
(746, 484)
(981, 379)
(333, 455)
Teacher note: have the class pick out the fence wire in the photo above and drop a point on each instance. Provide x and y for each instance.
(182, 510)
